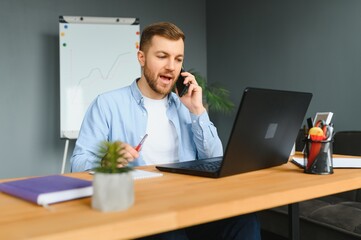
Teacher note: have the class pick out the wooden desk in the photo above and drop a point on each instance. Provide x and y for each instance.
(170, 202)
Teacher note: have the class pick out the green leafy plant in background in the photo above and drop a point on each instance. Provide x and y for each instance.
(110, 153)
(216, 98)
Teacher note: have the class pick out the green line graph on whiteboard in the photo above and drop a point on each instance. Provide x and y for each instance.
(96, 55)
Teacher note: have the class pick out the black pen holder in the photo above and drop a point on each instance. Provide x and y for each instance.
(318, 157)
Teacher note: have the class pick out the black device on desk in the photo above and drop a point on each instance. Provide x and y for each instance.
(181, 87)
(263, 134)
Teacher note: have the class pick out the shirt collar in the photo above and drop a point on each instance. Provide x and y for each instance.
(136, 92)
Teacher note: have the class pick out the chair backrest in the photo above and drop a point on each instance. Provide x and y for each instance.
(347, 143)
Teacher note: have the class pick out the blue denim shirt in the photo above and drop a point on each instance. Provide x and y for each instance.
(120, 115)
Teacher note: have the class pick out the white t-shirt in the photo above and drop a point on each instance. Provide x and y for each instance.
(161, 145)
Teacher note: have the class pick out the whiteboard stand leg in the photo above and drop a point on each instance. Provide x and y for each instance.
(65, 155)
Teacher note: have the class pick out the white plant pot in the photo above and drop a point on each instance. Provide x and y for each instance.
(112, 192)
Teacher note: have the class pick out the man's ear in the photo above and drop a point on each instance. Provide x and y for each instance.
(141, 58)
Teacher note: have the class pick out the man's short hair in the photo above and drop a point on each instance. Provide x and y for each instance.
(163, 29)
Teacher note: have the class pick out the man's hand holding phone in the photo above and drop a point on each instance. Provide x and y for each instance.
(189, 92)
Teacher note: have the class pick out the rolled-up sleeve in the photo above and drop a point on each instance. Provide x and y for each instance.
(205, 136)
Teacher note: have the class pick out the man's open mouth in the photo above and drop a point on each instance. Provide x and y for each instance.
(166, 78)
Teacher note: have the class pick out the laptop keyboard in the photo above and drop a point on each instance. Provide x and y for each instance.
(206, 166)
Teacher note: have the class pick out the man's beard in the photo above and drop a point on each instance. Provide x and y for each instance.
(153, 83)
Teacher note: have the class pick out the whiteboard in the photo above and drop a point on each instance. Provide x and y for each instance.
(97, 54)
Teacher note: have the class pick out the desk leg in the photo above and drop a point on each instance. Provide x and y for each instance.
(293, 221)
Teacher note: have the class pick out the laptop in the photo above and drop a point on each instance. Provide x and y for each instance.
(262, 136)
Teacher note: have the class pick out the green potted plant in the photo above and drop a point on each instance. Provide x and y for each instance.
(113, 186)
(216, 98)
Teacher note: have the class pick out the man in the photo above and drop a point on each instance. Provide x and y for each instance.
(178, 128)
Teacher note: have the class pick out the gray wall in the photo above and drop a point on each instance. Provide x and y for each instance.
(29, 70)
(310, 45)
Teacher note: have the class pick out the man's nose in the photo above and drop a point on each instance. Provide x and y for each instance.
(170, 65)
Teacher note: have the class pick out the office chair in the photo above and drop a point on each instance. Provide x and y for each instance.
(347, 143)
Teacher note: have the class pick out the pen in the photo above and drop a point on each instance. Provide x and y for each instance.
(141, 143)
(305, 131)
(310, 123)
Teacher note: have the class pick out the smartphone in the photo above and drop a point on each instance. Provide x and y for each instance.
(181, 87)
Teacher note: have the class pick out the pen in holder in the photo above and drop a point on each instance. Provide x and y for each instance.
(318, 157)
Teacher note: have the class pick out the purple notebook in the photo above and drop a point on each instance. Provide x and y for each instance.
(48, 189)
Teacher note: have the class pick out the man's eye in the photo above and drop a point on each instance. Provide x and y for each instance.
(162, 56)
